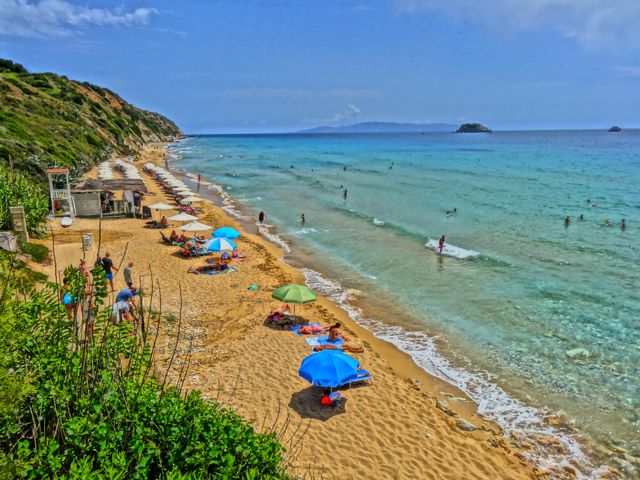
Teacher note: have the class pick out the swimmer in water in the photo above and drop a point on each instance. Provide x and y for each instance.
(567, 221)
(606, 223)
(441, 243)
(581, 217)
(623, 224)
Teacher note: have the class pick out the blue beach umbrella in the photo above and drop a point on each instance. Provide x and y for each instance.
(329, 368)
(219, 244)
(227, 232)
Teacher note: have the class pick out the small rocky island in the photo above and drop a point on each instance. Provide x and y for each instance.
(615, 128)
(473, 128)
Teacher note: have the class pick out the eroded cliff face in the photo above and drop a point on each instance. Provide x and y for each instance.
(47, 119)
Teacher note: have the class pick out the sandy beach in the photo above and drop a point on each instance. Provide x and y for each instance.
(404, 425)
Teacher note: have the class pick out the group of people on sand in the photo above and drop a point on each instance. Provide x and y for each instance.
(124, 306)
(336, 339)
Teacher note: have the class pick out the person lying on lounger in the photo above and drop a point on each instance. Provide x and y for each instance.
(174, 237)
(342, 347)
(312, 329)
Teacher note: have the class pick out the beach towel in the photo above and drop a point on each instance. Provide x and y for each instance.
(318, 341)
(296, 328)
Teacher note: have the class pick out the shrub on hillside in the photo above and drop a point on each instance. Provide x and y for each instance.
(39, 253)
(80, 401)
(15, 189)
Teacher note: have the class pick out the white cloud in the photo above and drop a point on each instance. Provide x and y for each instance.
(62, 18)
(592, 23)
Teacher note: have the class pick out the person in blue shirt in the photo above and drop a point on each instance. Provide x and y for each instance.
(126, 295)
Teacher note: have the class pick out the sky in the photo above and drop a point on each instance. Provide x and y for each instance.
(246, 66)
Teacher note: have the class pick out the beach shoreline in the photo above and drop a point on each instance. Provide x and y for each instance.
(394, 371)
(551, 437)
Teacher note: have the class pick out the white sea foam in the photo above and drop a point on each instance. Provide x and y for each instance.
(517, 419)
(269, 235)
(451, 250)
(378, 222)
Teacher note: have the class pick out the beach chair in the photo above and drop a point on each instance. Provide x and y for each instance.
(363, 376)
(166, 239)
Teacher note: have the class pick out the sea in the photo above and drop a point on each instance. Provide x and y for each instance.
(533, 306)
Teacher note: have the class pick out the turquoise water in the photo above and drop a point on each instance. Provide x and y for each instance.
(499, 324)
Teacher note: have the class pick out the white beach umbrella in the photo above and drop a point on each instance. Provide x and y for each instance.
(160, 206)
(192, 199)
(183, 217)
(195, 227)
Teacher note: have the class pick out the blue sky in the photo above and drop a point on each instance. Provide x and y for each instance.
(277, 65)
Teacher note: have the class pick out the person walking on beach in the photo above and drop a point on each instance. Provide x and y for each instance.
(198, 188)
(107, 264)
(261, 216)
(302, 219)
(127, 274)
(441, 244)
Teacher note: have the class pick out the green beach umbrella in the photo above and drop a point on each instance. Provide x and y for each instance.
(295, 294)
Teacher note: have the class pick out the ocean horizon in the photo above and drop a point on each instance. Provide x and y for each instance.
(530, 316)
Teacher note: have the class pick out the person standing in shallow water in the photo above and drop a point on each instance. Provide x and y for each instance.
(344, 194)
(567, 221)
(441, 244)
(302, 219)
(261, 216)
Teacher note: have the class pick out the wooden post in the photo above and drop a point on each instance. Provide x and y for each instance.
(19, 223)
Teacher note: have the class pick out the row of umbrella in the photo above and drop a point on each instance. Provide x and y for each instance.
(328, 368)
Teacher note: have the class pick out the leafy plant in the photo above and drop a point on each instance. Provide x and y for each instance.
(15, 189)
(78, 399)
(39, 253)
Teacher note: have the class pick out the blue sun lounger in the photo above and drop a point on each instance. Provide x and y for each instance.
(363, 376)
(317, 341)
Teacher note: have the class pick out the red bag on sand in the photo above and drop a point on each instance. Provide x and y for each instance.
(326, 401)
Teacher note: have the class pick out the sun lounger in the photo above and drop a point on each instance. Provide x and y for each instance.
(363, 376)
(324, 340)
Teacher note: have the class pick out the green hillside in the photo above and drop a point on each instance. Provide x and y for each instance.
(47, 119)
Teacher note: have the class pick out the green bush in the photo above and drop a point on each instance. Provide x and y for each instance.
(80, 405)
(39, 253)
(15, 189)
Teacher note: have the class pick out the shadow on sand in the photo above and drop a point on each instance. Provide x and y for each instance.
(307, 403)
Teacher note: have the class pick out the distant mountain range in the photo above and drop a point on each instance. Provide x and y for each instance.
(385, 127)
